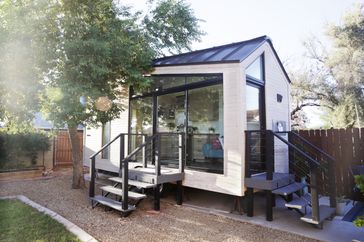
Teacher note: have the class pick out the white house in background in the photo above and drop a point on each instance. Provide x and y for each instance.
(212, 96)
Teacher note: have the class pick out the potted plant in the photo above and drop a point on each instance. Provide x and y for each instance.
(341, 203)
(211, 130)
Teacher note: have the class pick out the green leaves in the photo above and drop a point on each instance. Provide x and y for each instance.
(335, 79)
(171, 26)
(60, 50)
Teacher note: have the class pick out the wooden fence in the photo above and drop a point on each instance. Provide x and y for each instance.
(346, 146)
(63, 151)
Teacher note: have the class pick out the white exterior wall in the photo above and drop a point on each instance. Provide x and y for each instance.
(92, 142)
(232, 181)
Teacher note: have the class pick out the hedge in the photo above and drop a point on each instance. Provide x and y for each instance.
(18, 151)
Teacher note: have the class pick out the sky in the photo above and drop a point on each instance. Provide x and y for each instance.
(287, 22)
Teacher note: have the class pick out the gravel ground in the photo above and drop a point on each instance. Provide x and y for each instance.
(173, 223)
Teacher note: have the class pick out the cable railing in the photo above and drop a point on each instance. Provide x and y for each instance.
(150, 150)
(306, 164)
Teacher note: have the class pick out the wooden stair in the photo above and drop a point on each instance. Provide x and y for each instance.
(325, 213)
(289, 189)
(111, 203)
(134, 183)
(299, 202)
(119, 192)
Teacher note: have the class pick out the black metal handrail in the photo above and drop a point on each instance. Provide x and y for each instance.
(322, 152)
(314, 163)
(154, 141)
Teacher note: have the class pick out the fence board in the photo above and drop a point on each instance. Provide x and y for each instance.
(63, 148)
(346, 146)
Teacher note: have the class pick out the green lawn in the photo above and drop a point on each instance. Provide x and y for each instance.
(20, 222)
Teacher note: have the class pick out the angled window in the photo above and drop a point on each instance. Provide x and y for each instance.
(255, 69)
(106, 132)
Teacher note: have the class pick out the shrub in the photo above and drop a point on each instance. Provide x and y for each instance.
(359, 180)
(21, 150)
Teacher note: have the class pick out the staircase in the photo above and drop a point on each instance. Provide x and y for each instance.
(130, 186)
(306, 164)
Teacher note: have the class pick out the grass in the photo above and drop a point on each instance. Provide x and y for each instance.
(20, 222)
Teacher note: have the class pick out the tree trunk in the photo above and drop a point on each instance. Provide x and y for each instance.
(78, 180)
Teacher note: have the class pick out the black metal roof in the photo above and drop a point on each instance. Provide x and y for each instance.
(230, 53)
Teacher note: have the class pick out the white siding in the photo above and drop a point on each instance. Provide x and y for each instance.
(92, 142)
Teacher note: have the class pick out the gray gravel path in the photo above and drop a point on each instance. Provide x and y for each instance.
(173, 223)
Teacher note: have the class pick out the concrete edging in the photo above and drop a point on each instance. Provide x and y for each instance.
(71, 227)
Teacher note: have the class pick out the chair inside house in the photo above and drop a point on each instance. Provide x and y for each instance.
(214, 149)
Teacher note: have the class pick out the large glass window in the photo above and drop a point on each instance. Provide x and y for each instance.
(106, 133)
(141, 122)
(205, 143)
(255, 69)
(141, 115)
(171, 112)
(171, 120)
(254, 110)
(198, 97)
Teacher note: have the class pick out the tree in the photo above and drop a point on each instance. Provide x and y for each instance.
(335, 78)
(90, 51)
(19, 83)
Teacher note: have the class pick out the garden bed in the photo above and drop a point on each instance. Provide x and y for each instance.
(21, 174)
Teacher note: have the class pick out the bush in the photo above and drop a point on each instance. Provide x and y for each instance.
(21, 150)
(359, 180)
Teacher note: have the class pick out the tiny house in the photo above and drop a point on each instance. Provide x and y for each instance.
(212, 96)
(216, 119)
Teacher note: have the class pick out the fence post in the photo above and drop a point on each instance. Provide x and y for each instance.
(332, 183)
(269, 153)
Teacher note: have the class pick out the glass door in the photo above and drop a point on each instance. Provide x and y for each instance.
(171, 120)
(255, 121)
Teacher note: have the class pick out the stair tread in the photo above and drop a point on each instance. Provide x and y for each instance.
(112, 203)
(299, 202)
(325, 212)
(119, 192)
(289, 189)
(133, 182)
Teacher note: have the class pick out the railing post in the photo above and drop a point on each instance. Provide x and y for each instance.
(290, 150)
(269, 154)
(332, 183)
(158, 155)
(122, 153)
(314, 196)
(93, 176)
(124, 166)
(180, 153)
(247, 154)
(144, 156)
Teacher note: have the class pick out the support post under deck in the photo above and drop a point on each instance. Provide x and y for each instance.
(269, 205)
(250, 201)
(179, 195)
(157, 197)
